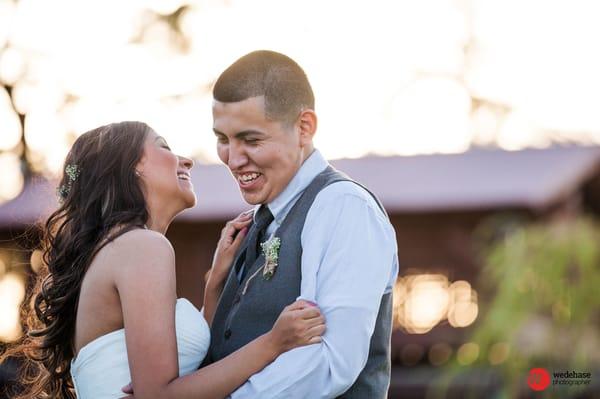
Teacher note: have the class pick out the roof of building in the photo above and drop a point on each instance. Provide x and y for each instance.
(477, 179)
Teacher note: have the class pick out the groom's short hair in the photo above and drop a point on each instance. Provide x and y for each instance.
(273, 75)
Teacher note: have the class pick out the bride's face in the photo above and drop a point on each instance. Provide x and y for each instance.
(166, 176)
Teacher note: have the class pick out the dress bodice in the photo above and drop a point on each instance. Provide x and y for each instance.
(101, 367)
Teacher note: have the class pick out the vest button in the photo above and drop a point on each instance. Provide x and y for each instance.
(227, 333)
(237, 298)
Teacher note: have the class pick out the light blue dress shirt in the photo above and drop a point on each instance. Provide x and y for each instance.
(349, 261)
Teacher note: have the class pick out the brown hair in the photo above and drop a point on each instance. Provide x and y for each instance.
(100, 193)
(275, 76)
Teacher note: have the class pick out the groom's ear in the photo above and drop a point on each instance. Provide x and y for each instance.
(307, 126)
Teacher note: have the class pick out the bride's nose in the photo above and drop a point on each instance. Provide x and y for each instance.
(186, 162)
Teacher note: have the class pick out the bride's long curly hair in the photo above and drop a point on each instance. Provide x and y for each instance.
(101, 198)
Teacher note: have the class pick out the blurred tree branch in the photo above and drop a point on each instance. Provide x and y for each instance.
(22, 148)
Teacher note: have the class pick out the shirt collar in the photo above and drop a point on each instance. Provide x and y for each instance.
(310, 168)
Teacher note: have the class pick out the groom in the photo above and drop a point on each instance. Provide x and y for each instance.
(336, 245)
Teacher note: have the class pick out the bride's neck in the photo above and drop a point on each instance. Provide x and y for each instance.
(159, 218)
(158, 225)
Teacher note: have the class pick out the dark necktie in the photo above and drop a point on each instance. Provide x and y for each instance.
(262, 220)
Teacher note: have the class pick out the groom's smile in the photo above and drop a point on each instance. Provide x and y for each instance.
(247, 178)
(249, 181)
(262, 154)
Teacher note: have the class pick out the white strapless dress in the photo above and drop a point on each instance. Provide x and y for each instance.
(101, 367)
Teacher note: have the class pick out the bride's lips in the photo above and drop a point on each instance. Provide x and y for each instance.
(184, 177)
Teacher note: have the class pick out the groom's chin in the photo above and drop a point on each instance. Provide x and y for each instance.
(251, 198)
(251, 201)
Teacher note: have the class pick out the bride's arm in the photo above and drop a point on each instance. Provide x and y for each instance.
(232, 236)
(145, 282)
(298, 325)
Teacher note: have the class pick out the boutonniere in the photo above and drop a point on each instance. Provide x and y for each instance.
(270, 250)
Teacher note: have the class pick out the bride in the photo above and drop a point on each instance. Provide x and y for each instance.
(105, 312)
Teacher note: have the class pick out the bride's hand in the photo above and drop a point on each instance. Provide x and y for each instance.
(232, 236)
(299, 324)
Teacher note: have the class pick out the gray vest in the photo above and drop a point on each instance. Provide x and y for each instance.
(240, 318)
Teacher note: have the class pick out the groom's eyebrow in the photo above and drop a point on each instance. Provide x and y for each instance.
(241, 135)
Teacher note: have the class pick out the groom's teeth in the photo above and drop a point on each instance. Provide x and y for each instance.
(248, 177)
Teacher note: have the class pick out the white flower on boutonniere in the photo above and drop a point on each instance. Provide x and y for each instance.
(270, 250)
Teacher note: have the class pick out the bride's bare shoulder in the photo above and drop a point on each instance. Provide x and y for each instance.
(142, 261)
(140, 245)
(138, 236)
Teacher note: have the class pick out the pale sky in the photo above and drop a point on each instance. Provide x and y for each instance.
(390, 77)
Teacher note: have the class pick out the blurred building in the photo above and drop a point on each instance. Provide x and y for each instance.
(442, 207)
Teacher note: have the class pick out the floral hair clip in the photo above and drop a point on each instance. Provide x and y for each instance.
(73, 171)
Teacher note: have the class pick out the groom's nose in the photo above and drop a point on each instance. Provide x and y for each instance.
(237, 157)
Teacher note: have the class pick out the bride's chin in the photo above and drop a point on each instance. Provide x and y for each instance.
(189, 200)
